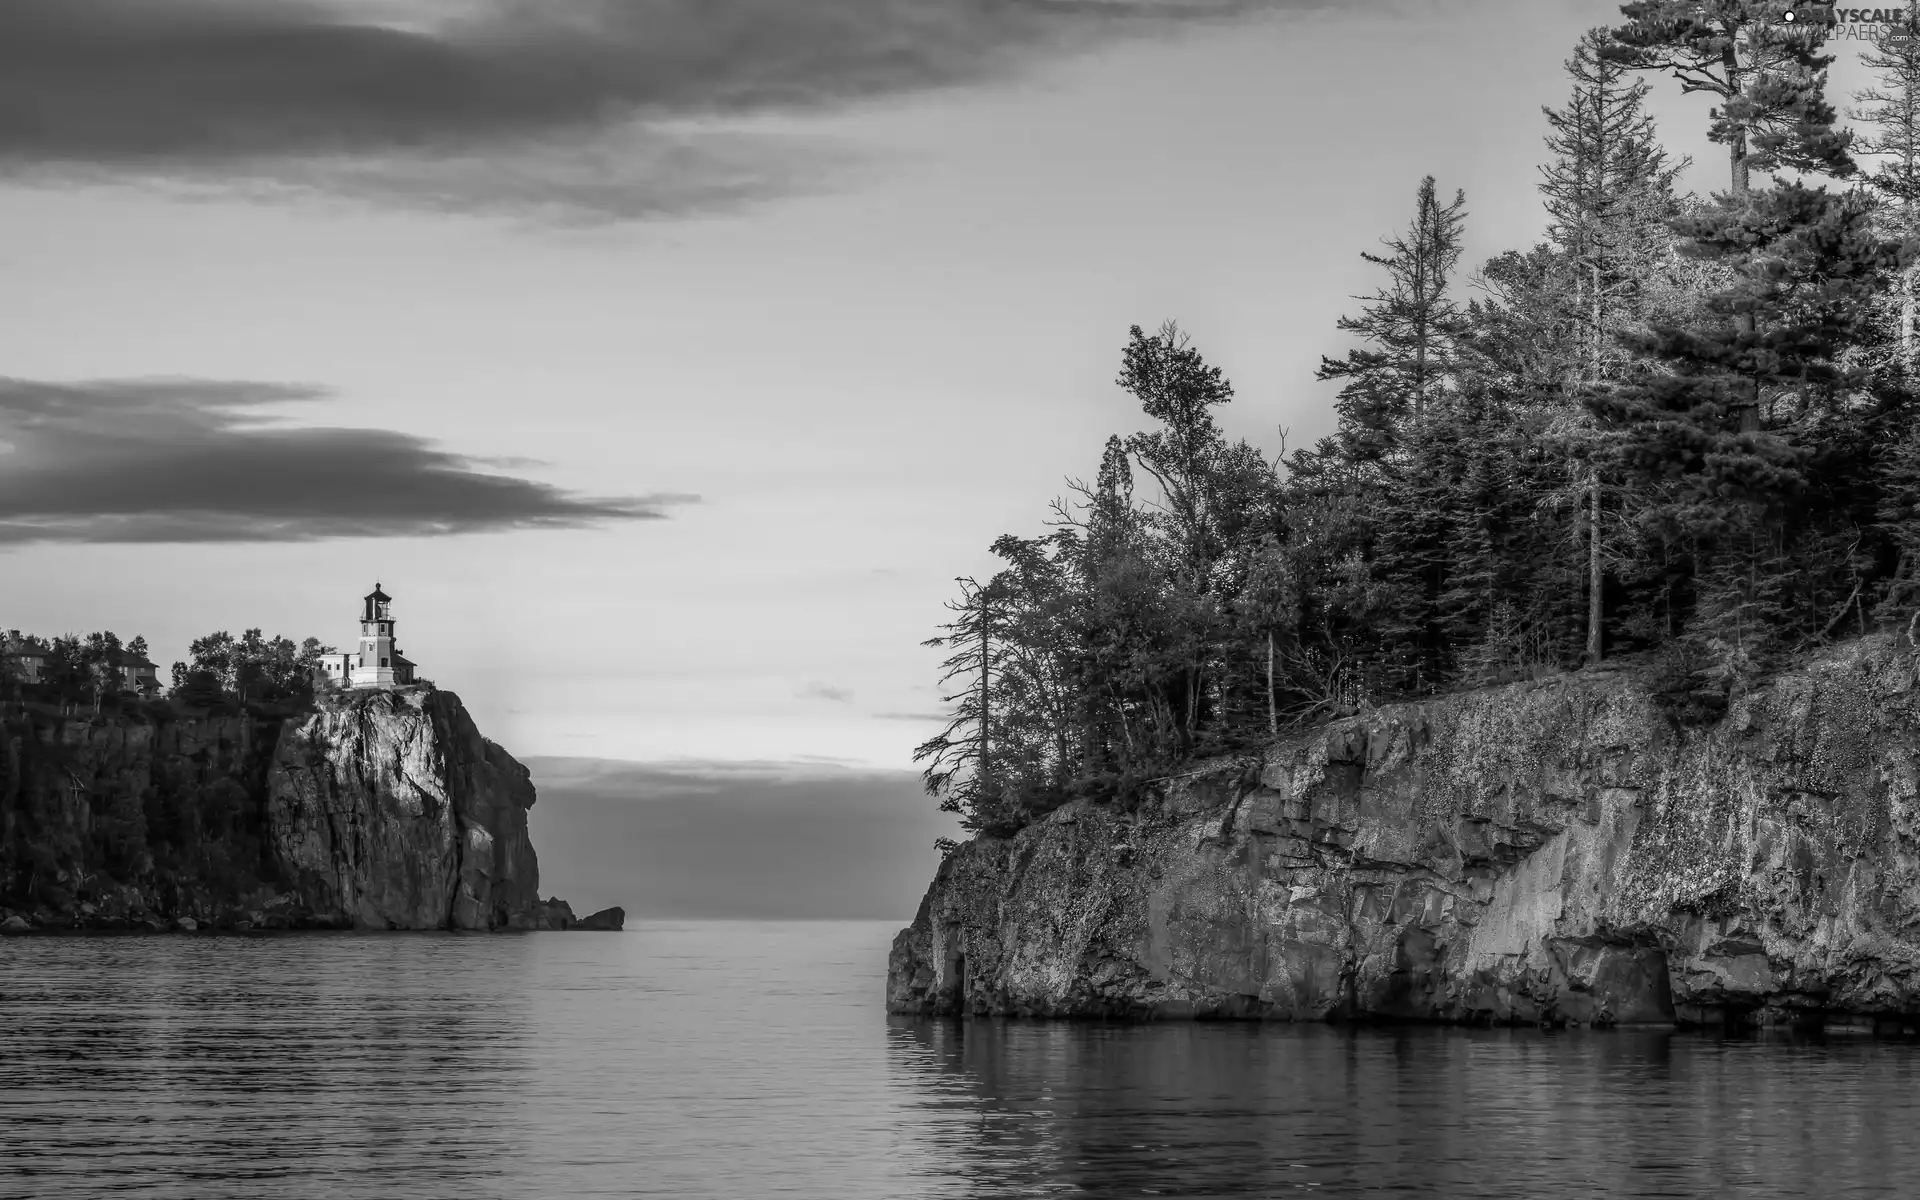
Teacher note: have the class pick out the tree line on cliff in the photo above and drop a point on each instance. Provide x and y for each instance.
(221, 668)
(1681, 429)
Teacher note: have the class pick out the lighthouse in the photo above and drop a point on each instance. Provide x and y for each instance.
(376, 662)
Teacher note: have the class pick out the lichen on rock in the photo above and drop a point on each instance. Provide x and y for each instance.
(1552, 851)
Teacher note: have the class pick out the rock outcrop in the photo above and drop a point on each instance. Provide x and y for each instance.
(378, 810)
(558, 914)
(607, 920)
(1554, 851)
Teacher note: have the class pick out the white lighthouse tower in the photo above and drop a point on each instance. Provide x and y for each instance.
(378, 663)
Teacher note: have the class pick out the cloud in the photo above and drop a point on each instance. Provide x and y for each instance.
(627, 107)
(822, 691)
(769, 839)
(203, 461)
(922, 718)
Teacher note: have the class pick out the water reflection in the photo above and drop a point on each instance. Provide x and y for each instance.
(735, 1061)
(1244, 1110)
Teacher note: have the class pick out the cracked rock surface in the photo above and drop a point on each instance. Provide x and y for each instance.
(1553, 851)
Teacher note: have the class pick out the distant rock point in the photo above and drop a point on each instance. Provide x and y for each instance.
(611, 920)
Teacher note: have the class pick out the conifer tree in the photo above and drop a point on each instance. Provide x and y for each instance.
(1101, 545)
(1609, 191)
(1608, 186)
(1806, 268)
(1805, 265)
(1770, 78)
(1892, 109)
(1766, 71)
(1771, 81)
(1112, 524)
(960, 758)
(1035, 661)
(1410, 325)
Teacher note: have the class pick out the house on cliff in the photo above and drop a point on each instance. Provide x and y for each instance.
(137, 673)
(377, 663)
(30, 660)
(24, 659)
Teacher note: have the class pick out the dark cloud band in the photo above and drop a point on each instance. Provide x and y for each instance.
(194, 461)
(303, 92)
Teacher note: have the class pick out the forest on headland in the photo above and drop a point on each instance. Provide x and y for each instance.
(1680, 430)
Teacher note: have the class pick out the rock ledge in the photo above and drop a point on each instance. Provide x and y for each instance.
(1553, 851)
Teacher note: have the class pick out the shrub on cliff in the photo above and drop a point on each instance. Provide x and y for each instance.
(199, 689)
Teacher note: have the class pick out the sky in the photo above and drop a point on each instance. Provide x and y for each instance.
(739, 841)
(667, 360)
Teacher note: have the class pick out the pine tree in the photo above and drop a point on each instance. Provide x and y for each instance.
(960, 765)
(1112, 523)
(1807, 267)
(1771, 81)
(1412, 323)
(1766, 71)
(1101, 545)
(1893, 111)
(1608, 188)
(1609, 191)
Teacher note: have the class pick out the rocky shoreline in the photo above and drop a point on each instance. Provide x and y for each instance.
(1555, 852)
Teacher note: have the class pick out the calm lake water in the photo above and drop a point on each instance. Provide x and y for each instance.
(744, 1060)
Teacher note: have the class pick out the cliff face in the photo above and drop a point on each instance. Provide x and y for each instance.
(1553, 851)
(381, 810)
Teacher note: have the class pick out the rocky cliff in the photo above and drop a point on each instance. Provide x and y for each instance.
(378, 810)
(1555, 851)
